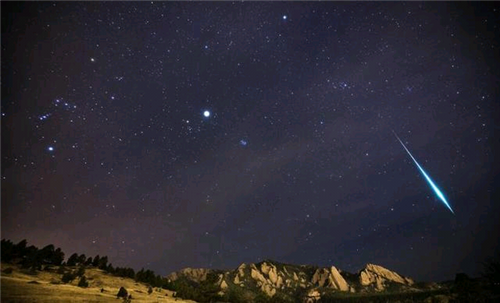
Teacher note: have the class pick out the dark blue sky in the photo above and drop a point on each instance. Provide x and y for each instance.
(106, 149)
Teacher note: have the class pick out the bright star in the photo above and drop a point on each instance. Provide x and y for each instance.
(50, 148)
(284, 17)
(243, 142)
(206, 113)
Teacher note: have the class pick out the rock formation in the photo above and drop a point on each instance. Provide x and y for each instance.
(312, 296)
(332, 278)
(194, 274)
(378, 276)
(271, 277)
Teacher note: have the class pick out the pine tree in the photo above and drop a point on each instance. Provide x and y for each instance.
(103, 263)
(82, 259)
(7, 251)
(32, 258)
(81, 271)
(139, 276)
(57, 257)
(122, 293)
(95, 263)
(68, 277)
(83, 282)
(20, 248)
(45, 255)
(88, 262)
(72, 260)
(110, 268)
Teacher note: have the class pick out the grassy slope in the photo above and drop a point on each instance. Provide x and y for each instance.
(15, 287)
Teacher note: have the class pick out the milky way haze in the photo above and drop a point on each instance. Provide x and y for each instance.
(170, 134)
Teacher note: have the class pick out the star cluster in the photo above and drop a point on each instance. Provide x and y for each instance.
(175, 134)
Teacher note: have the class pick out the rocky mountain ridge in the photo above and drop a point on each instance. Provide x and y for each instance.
(271, 277)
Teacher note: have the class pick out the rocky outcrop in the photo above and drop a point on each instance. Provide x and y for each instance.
(332, 278)
(312, 296)
(240, 274)
(267, 277)
(268, 289)
(257, 275)
(271, 277)
(223, 285)
(194, 274)
(378, 277)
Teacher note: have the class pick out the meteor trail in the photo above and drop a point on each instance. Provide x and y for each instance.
(434, 187)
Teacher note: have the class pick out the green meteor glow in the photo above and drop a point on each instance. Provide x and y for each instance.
(429, 180)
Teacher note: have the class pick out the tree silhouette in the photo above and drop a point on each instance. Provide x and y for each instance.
(83, 282)
(21, 247)
(58, 257)
(122, 293)
(81, 271)
(96, 261)
(103, 263)
(82, 259)
(7, 251)
(72, 260)
(45, 254)
(31, 258)
(88, 262)
(68, 277)
(20, 250)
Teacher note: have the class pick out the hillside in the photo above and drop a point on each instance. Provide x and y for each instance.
(22, 285)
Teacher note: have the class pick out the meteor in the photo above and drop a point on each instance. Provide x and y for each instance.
(429, 180)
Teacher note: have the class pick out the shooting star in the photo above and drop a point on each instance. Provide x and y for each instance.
(429, 180)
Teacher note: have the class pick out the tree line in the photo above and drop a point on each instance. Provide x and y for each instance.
(33, 258)
(30, 256)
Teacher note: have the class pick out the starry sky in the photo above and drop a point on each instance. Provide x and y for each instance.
(167, 134)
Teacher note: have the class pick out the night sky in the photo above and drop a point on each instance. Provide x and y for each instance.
(166, 135)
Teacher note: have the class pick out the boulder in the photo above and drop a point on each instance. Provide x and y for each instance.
(330, 278)
(337, 280)
(268, 289)
(377, 276)
(312, 296)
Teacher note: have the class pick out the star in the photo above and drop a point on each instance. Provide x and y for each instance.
(206, 113)
(243, 142)
(50, 148)
(284, 17)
